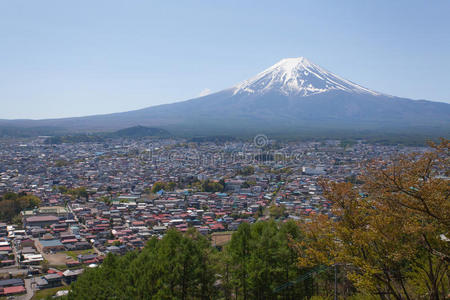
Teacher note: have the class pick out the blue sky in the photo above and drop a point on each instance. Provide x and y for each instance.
(73, 58)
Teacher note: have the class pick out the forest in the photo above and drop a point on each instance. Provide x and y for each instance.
(388, 238)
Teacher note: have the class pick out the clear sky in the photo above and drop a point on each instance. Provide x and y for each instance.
(72, 58)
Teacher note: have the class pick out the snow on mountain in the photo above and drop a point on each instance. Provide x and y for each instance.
(297, 77)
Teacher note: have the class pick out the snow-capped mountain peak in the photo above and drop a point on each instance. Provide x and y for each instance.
(297, 77)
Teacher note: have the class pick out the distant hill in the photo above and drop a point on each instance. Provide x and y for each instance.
(292, 98)
(131, 133)
(24, 132)
(141, 131)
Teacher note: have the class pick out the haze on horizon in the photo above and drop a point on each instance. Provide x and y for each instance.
(74, 59)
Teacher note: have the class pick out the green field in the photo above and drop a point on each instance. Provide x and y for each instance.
(74, 254)
(42, 294)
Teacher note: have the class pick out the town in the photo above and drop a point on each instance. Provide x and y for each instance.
(94, 198)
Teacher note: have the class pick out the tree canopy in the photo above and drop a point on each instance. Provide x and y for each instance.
(11, 204)
(185, 266)
(389, 235)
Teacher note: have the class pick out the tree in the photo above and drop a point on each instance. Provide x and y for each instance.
(246, 171)
(44, 266)
(211, 186)
(157, 186)
(262, 259)
(160, 185)
(78, 193)
(389, 233)
(12, 204)
(277, 211)
(239, 250)
(171, 186)
(62, 189)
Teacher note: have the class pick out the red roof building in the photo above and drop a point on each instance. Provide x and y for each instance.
(12, 290)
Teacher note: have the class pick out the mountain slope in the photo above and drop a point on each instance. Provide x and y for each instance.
(140, 131)
(291, 96)
(297, 77)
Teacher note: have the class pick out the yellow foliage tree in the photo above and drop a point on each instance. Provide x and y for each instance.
(390, 234)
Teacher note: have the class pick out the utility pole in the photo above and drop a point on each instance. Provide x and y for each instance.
(335, 270)
(335, 281)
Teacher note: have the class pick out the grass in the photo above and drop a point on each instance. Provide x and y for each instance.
(42, 294)
(223, 232)
(221, 238)
(75, 253)
(64, 267)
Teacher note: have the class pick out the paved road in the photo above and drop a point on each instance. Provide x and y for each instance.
(13, 270)
(273, 200)
(84, 226)
(30, 291)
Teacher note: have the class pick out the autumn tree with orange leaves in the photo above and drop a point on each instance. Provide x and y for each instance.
(390, 236)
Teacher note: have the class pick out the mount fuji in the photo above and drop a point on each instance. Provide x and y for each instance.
(293, 97)
(297, 77)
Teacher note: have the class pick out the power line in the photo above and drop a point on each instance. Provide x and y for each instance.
(301, 278)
